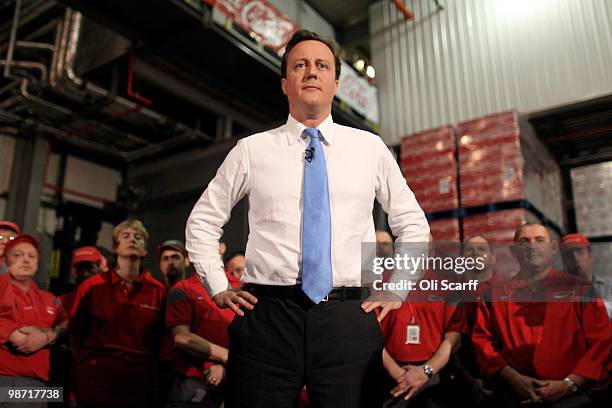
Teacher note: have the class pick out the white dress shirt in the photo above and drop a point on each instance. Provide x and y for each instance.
(268, 167)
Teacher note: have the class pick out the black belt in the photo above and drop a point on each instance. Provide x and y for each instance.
(295, 291)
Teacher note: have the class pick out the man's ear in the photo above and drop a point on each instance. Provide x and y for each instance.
(186, 261)
(555, 246)
(284, 85)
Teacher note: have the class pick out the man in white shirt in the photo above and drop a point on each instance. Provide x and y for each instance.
(311, 186)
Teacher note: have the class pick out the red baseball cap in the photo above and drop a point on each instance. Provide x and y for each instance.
(10, 225)
(30, 239)
(575, 241)
(86, 254)
(173, 244)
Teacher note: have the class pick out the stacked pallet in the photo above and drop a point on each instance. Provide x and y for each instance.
(429, 166)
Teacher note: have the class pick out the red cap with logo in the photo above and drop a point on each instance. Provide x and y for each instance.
(575, 241)
(30, 239)
(86, 254)
(10, 225)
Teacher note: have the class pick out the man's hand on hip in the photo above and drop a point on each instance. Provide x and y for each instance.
(234, 298)
(386, 300)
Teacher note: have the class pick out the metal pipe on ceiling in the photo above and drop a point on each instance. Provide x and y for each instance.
(12, 40)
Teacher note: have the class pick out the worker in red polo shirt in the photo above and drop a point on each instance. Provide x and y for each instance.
(543, 337)
(420, 338)
(116, 327)
(199, 328)
(464, 362)
(173, 264)
(8, 232)
(30, 319)
(86, 262)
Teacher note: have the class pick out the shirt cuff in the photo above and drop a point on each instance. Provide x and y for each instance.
(214, 281)
(590, 369)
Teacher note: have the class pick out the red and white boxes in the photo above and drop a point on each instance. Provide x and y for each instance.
(501, 159)
(429, 166)
(445, 230)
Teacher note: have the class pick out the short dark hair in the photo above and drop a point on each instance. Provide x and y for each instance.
(305, 35)
(531, 224)
(481, 237)
(231, 256)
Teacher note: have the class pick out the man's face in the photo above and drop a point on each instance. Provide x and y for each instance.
(579, 261)
(310, 81)
(478, 247)
(6, 235)
(172, 263)
(533, 248)
(130, 243)
(85, 270)
(236, 266)
(22, 261)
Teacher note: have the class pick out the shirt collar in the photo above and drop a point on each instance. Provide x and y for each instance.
(519, 280)
(116, 279)
(294, 130)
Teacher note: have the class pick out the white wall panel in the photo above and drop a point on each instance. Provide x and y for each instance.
(477, 57)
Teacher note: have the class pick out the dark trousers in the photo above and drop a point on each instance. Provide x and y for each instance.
(193, 392)
(334, 349)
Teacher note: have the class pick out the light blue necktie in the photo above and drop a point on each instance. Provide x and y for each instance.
(316, 238)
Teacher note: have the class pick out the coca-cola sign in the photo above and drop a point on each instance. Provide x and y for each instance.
(272, 27)
(358, 93)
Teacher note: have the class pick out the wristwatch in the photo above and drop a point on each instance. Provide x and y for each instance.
(429, 371)
(571, 384)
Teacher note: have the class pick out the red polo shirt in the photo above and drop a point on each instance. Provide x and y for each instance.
(120, 329)
(547, 339)
(433, 312)
(190, 305)
(35, 307)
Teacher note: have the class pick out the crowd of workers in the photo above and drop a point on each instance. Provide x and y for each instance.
(123, 338)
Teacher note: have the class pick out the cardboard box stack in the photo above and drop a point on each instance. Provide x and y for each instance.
(592, 190)
(445, 230)
(501, 159)
(429, 166)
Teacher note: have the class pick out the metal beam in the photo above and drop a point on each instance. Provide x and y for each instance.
(26, 182)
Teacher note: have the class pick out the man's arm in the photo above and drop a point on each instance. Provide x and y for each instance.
(406, 218)
(205, 226)
(210, 214)
(197, 346)
(592, 365)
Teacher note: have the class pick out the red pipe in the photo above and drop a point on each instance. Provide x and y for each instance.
(76, 193)
(130, 78)
(408, 15)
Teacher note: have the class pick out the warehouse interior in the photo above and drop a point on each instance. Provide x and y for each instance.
(496, 113)
(109, 112)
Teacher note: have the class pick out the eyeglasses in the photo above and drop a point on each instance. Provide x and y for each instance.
(8, 237)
